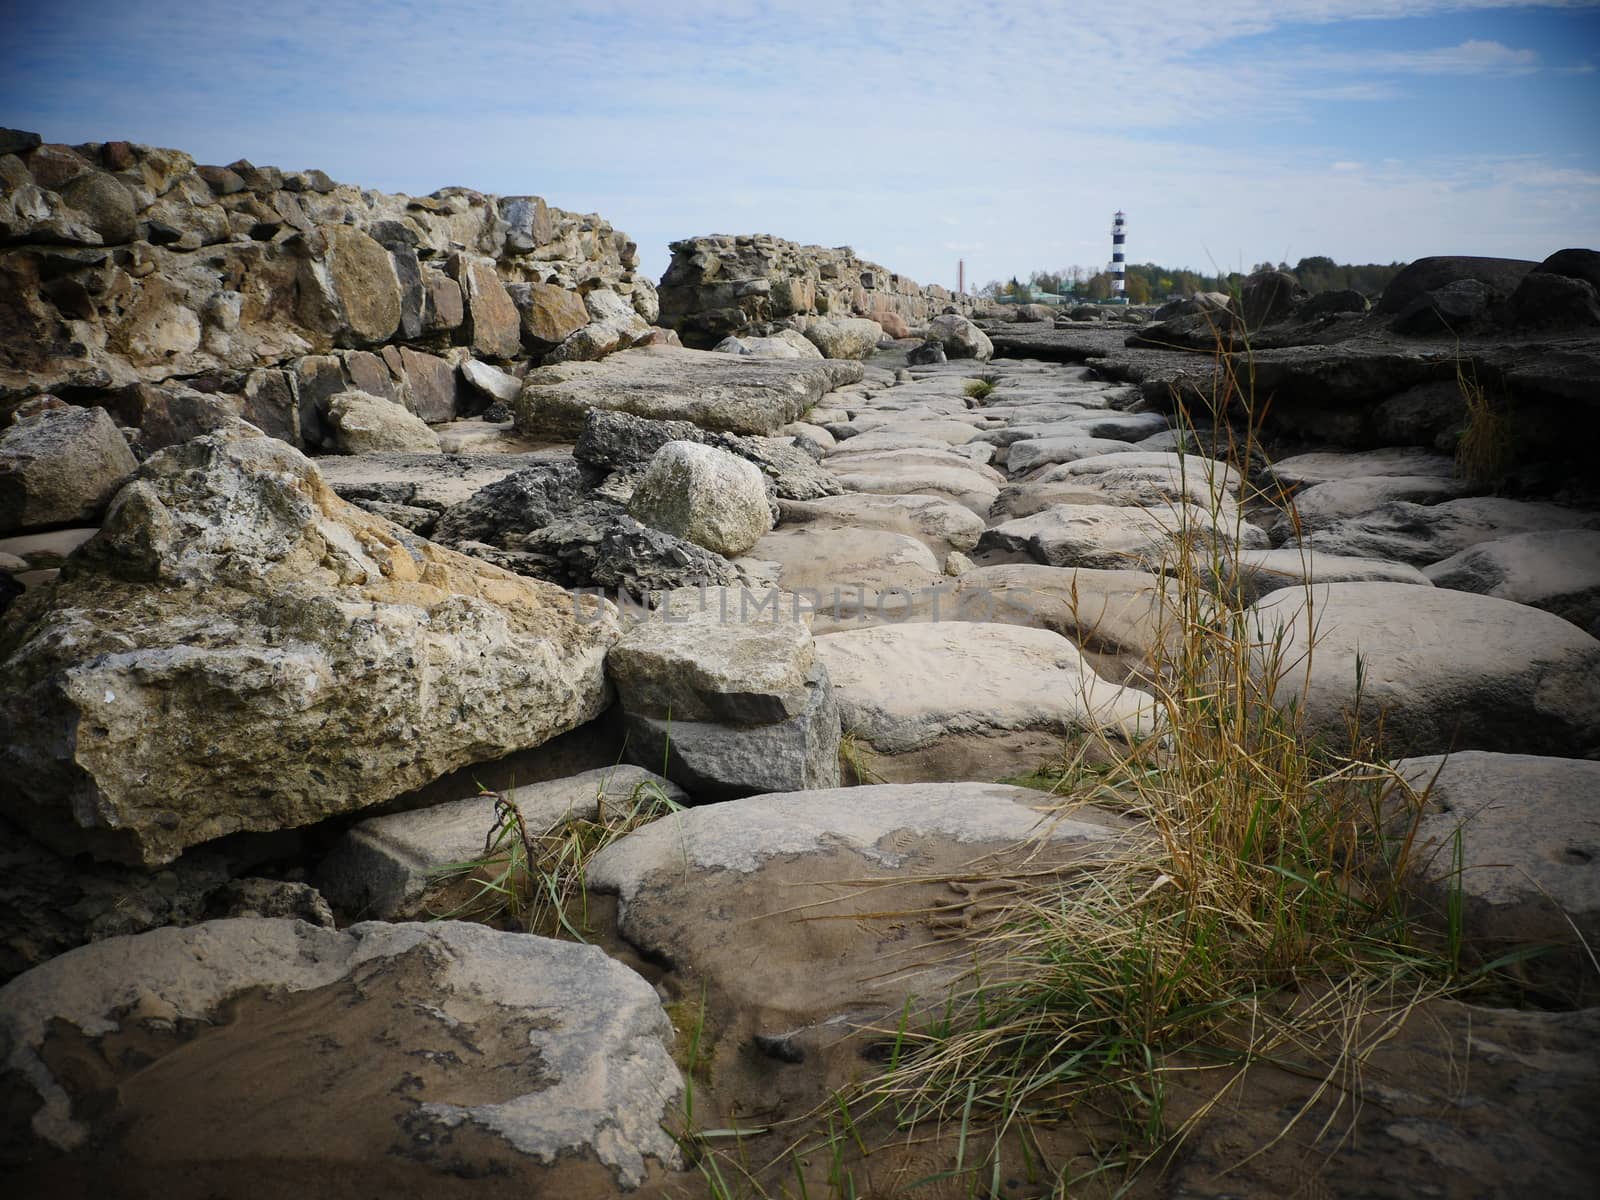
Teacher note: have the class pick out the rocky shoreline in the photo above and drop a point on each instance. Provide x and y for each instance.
(341, 532)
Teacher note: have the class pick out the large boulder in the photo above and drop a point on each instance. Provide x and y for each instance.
(786, 343)
(239, 649)
(844, 337)
(550, 314)
(1442, 669)
(960, 337)
(279, 1059)
(493, 324)
(705, 495)
(1499, 277)
(60, 466)
(1428, 533)
(715, 391)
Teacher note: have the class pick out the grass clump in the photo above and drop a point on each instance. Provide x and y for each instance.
(1484, 445)
(534, 878)
(979, 389)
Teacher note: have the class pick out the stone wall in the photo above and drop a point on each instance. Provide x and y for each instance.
(127, 271)
(721, 285)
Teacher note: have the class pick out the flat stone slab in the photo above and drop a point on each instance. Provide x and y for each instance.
(1445, 669)
(942, 525)
(435, 481)
(1558, 572)
(400, 1056)
(1255, 573)
(1023, 456)
(1517, 838)
(384, 866)
(905, 688)
(1112, 537)
(1322, 504)
(769, 900)
(725, 392)
(1421, 534)
(1301, 470)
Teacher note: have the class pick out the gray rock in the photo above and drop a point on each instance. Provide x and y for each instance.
(1445, 669)
(702, 665)
(1514, 839)
(715, 391)
(962, 686)
(383, 867)
(400, 1037)
(715, 761)
(1252, 574)
(1558, 572)
(725, 885)
(597, 544)
(1024, 456)
(786, 343)
(930, 353)
(1422, 534)
(1325, 504)
(60, 467)
(704, 495)
(1110, 537)
(1499, 276)
(507, 510)
(1302, 470)
(942, 525)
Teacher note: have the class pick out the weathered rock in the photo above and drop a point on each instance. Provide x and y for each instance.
(1032, 453)
(714, 761)
(365, 424)
(1421, 534)
(623, 442)
(600, 338)
(957, 696)
(1444, 669)
(1510, 839)
(942, 525)
(786, 343)
(960, 337)
(1251, 574)
(930, 353)
(597, 544)
(425, 1052)
(493, 325)
(1325, 504)
(502, 513)
(549, 314)
(844, 337)
(1499, 276)
(1545, 300)
(383, 867)
(239, 649)
(715, 391)
(1269, 296)
(701, 664)
(1558, 572)
(705, 495)
(748, 878)
(1110, 537)
(430, 384)
(60, 467)
(1303, 470)
(432, 481)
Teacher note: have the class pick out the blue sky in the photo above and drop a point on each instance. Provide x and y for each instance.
(1231, 131)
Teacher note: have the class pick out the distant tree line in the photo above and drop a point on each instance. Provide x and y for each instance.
(1152, 283)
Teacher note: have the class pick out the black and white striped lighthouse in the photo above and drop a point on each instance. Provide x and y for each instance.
(1119, 266)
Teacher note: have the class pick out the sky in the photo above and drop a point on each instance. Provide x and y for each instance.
(1005, 134)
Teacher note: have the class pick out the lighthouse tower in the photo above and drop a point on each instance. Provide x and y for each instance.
(1119, 267)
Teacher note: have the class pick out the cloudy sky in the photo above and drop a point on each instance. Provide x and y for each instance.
(1005, 133)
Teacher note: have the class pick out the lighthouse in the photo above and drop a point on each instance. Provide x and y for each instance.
(1119, 267)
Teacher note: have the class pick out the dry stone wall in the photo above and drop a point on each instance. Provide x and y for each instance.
(127, 271)
(720, 286)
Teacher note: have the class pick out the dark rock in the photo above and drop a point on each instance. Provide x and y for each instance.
(504, 512)
(499, 411)
(10, 589)
(1268, 297)
(1499, 275)
(413, 294)
(1573, 263)
(1453, 308)
(221, 180)
(597, 544)
(927, 354)
(623, 442)
(1544, 300)
(1341, 300)
(18, 141)
(106, 202)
